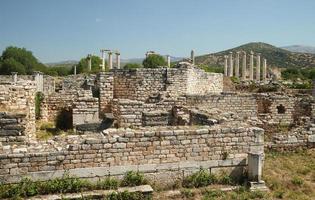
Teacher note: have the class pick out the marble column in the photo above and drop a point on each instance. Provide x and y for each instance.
(75, 70)
(231, 64)
(110, 60)
(168, 59)
(192, 56)
(244, 67)
(103, 59)
(258, 67)
(225, 65)
(237, 64)
(89, 59)
(14, 77)
(117, 60)
(264, 70)
(251, 66)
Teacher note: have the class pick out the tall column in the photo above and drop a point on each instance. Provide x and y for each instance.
(75, 70)
(192, 56)
(244, 67)
(225, 65)
(258, 67)
(251, 66)
(110, 60)
(14, 77)
(103, 59)
(237, 64)
(264, 69)
(89, 59)
(168, 58)
(231, 64)
(117, 60)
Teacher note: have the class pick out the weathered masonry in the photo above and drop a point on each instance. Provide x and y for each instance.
(174, 151)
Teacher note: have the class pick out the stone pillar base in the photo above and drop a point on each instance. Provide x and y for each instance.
(258, 186)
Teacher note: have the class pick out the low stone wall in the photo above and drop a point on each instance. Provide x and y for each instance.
(150, 150)
(85, 108)
(303, 136)
(243, 104)
(132, 113)
(12, 128)
(19, 98)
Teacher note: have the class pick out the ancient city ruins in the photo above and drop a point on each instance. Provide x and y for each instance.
(165, 122)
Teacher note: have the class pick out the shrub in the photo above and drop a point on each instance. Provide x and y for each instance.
(132, 178)
(297, 181)
(108, 184)
(201, 178)
(132, 66)
(187, 193)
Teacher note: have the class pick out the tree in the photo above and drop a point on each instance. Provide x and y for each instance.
(20, 60)
(10, 65)
(154, 61)
(132, 66)
(82, 66)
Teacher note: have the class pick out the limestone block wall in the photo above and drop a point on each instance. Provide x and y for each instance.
(85, 108)
(105, 83)
(143, 84)
(132, 113)
(12, 128)
(282, 108)
(152, 150)
(243, 105)
(19, 98)
(54, 103)
(201, 83)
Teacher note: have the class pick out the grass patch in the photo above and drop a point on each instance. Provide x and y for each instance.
(67, 184)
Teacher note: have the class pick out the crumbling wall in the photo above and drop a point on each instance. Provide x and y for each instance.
(152, 150)
(105, 83)
(242, 104)
(201, 83)
(12, 128)
(132, 113)
(19, 98)
(85, 108)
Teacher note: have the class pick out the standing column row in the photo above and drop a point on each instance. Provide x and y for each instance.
(232, 67)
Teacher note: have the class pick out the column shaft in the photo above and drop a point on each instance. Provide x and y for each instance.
(244, 67)
(258, 68)
(251, 66)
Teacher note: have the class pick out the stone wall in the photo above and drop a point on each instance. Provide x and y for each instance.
(19, 98)
(105, 83)
(132, 113)
(151, 150)
(201, 83)
(244, 105)
(147, 85)
(12, 128)
(85, 108)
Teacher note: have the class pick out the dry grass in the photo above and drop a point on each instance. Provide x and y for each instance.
(291, 175)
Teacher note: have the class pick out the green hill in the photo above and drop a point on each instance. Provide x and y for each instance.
(276, 57)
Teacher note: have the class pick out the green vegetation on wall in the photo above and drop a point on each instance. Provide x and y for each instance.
(39, 97)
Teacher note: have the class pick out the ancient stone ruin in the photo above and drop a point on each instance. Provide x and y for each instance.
(165, 122)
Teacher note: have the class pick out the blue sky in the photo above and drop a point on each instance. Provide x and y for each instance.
(56, 30)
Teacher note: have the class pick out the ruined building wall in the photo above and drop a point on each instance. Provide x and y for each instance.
(201, 83)
(18, 99)
(132, 113)
(243, 105)
(159, 150)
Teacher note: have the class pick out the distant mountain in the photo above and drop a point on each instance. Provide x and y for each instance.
(276, 57)
(300, 49)
(62, 63)
(139, 60)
